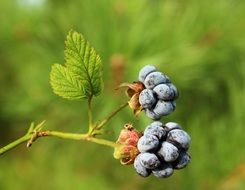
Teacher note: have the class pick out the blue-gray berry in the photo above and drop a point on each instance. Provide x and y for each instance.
(168, 152)
(149, 160)
(147, 98)
(174, 89)
(182, 161)
(156, 130)
(141, 170)
(147, 143)
(145, 71)
(155, 78)
(158, 123)
(171, 125)
(163, 171)
(151, 114)
(179, 137)
(164, 92)
(163, 108)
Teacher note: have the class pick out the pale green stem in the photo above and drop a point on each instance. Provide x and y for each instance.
(35, 133)
(107, 119)
(74, 136)
(15, 143)
(90, 114)
(77, 136)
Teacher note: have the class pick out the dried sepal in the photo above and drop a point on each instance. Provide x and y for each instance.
(127, 141)
(133, 92)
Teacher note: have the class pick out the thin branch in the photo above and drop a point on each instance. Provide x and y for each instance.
(35, 132)
(107, 119)
(34, 135)
(77, 136)
(15, 143)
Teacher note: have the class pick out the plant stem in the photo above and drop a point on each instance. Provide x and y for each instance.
(107, 119)
(35, 132)
(77, 136)
(90, 114)
(15, 143)
(102, 142)
(73, 136)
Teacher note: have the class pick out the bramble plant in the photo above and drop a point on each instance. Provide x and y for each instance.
(159, 149)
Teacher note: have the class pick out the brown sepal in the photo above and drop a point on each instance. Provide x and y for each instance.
(133, 92)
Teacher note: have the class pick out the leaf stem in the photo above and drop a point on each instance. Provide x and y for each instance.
(90, 113)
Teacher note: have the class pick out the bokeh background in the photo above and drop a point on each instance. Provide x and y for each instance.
(199, 44)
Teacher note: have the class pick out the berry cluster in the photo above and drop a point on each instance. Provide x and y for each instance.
(159, 94)
(162, 148)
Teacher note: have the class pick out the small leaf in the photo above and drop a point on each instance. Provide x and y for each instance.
(84, 63)
(65, 83)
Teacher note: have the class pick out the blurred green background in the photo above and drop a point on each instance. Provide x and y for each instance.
(199, 44)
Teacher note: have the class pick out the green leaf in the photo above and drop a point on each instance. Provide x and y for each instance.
(81, 77)
(83, 61)
(65, 83)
